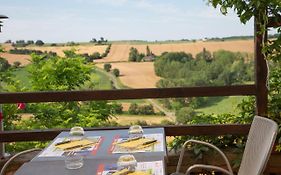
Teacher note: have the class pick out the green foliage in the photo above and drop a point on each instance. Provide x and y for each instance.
(148, 51)
(261, 10)
(135, 56)
(16, 64)
(39, 43)
(118, 108)
(116, 72)
(221, 141)
(184, 115)
(136, 109)
(247, 107)
(58, 73)
(181, 69)
(29, 51)
(107, 67)
(4, 64)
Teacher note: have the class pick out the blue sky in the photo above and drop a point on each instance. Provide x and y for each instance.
(81, 20)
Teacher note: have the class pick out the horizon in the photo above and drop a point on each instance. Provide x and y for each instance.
(115, 20)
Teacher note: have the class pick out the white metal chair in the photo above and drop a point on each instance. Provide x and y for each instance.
(258, 148)
(3, 170)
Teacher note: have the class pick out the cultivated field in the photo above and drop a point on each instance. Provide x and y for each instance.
(136, 75)
(120, 52)
(23, 59)
(130, 119)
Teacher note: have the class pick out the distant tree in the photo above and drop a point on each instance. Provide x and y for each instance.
(29, 42)
(140, 57)
(53, 44)
(133, 54)
(39, 43)
(93, 40)
(4, 64)
(96, 55)
(16, 64)
(205, 55)
(107, 67)
(101, 39)
(116, 72)
(148, 51)
(133, 109)
(8, 41)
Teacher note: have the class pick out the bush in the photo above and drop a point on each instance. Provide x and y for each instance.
(133, 109)
(116, 72)
(118, 108)
(141, 110)
(17, 64)
(4, 64)
(107, 67)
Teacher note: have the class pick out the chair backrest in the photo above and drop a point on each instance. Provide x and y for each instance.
(258, 148)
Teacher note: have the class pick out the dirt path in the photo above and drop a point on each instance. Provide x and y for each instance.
(153, 102)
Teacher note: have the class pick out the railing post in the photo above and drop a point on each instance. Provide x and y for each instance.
(260, 72)
(2, 146)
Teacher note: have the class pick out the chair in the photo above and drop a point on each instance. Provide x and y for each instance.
(3, 170)
(259, 144)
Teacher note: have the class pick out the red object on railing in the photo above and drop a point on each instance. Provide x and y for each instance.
(21, 106)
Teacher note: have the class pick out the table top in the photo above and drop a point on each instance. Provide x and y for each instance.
(57, 167)
(103, 155)
(108, 136)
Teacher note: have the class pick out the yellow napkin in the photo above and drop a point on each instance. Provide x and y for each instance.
(75, 144)
(134, 143)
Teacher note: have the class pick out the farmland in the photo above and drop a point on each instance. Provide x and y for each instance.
(120, 52)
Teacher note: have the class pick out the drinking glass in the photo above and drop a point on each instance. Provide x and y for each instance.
(73, 161)
(135, 131)
(76, 133)
(127, 161)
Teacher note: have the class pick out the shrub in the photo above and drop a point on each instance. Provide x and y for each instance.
(116, 72)
(107, 67)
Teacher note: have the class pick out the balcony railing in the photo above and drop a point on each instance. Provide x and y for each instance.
(258, 90)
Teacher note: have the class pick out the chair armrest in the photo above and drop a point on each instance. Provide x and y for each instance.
(15, 156)
(209, 167)
(207, 144)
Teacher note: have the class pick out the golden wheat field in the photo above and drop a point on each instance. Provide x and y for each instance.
(23, 59)
(136, 75)
(120, 52)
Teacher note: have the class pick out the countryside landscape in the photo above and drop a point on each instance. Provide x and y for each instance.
(110, 49)
(133, 74)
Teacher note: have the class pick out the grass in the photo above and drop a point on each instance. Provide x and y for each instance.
(222, 105)
(100, 80)
(22, 75)
(129, 119)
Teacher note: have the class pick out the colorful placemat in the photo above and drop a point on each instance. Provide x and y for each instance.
(85, 146)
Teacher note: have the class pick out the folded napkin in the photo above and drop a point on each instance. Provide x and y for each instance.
(75, 144)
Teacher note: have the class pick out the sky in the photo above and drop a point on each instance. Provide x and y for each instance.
(82, 20)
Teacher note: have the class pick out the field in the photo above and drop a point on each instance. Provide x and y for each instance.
(23, 59)
(120, 52)
(136, 75)
(130, 119)
(222, 105)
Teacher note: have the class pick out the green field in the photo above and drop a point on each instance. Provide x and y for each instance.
(222, 105)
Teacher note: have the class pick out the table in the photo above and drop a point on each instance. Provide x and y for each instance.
(55, 165)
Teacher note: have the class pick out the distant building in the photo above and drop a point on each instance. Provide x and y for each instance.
(149, 58)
